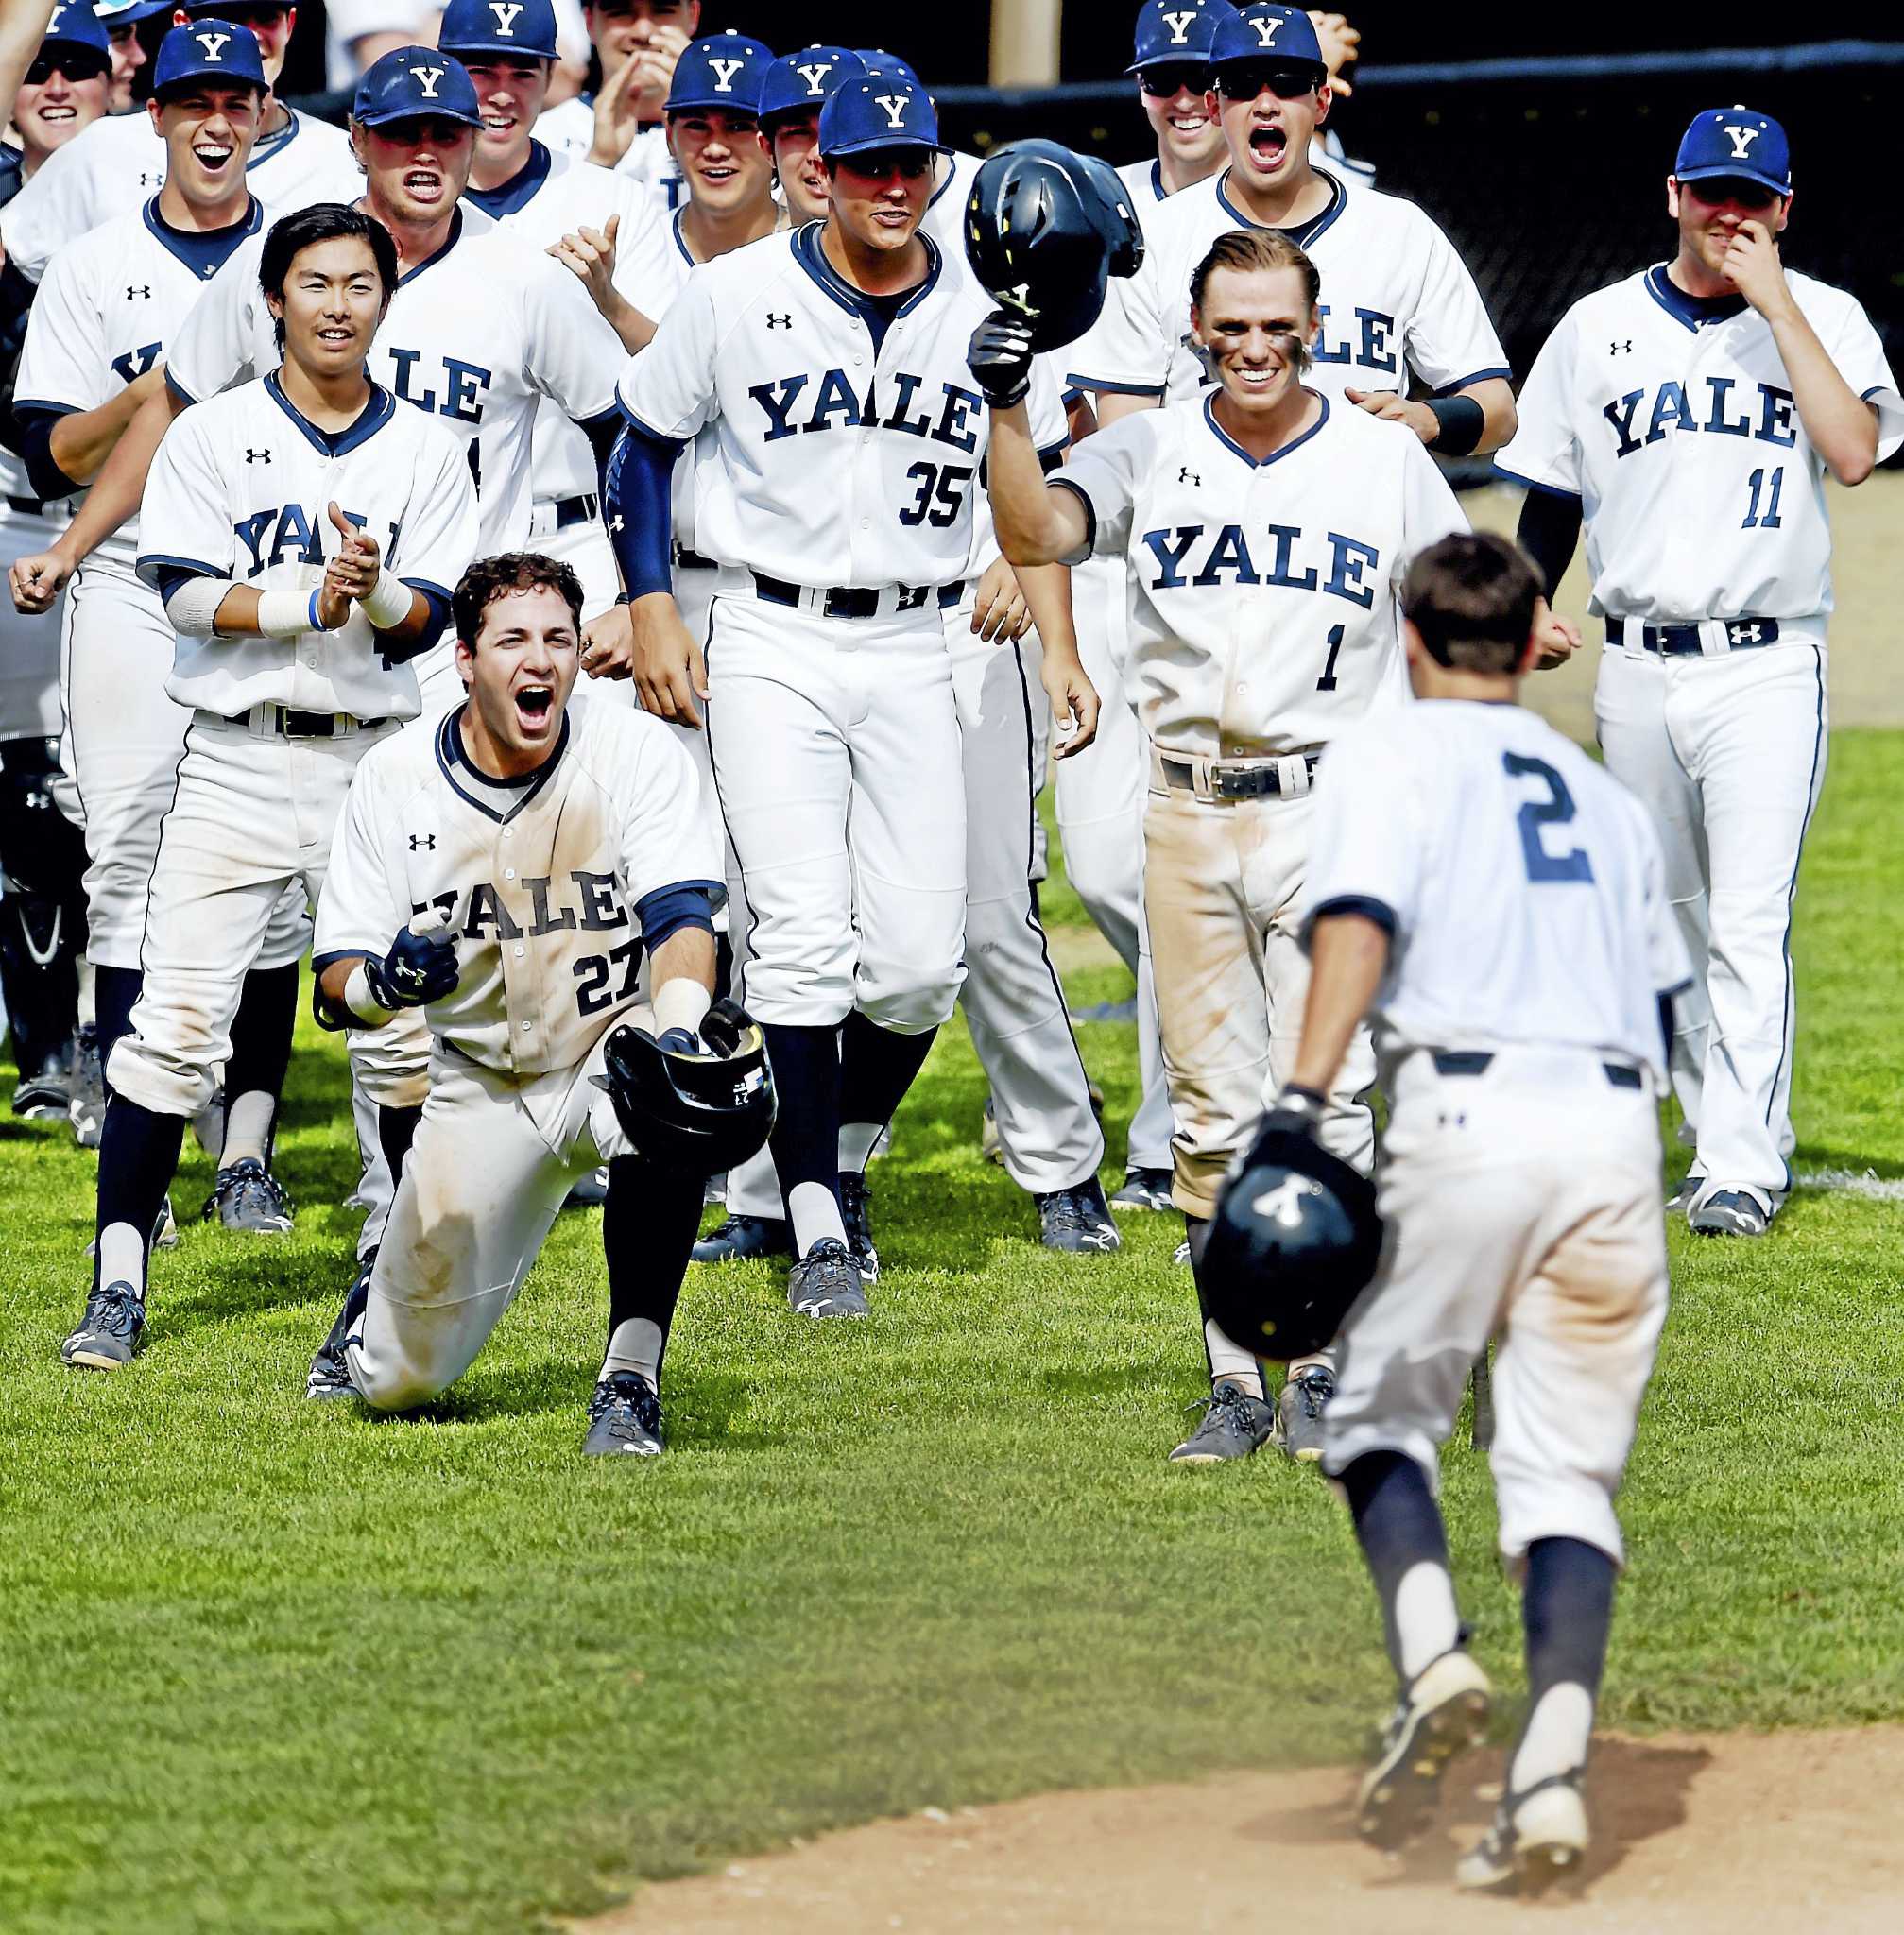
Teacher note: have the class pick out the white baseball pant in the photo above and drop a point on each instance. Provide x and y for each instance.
(1728, 751)
(1523, 1203)
(29, 643)
(585, 549)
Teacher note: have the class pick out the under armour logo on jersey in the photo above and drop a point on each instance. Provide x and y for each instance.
(505, 17)
(1265, 25)
(149, 179)
(724, 74)
(426, 843)
(779, 321)
(1186, 475)
(816, 76)
(135, 290)
(257, 456)
(896, 106)
(214, 45)
(1753, 634)
(1625, 349)
(1180, 25)
(1741, 140)
(426, 78)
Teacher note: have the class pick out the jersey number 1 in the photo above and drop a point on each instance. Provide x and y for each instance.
(1554, 810)
(1769, 520)
(1336, 634)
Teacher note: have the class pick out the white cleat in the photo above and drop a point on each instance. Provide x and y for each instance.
(1536, 1837)
(1442, 1713)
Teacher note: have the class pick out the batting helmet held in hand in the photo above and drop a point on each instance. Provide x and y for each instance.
(696, 1113)
(1045, 229)
(1294, 1242)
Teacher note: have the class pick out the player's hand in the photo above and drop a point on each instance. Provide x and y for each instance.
(617, 116)
(1341, 45)
(359, 559)
(1558, 638)
(36, 582)
(670, 672)
(590, 255)
(658, 58)
(1296, 1111)
(1074, 702)
(421, 967)
(1000, 359)
(1752, 266)
(1392, 408)
(722, 1026)
(1000, 614)
(679, 1041)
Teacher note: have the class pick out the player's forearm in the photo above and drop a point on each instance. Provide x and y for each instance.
(686, 954)
(1494, 397)
(635, 330)
(1047, 593)
(1035, 524)
(1114, 405)
(1842, 425)
(1349, 955)
(1549, 531)
(22, 28)
(80, 443)
(121, 482)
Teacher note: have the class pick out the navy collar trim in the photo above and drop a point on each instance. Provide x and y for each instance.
(813, 258)
(1157, 187)
(204, 251)
(952, 176)
(1276, 456)
(521, 188)
(456, 235)
(1304, 233)
(680, 240)
(268, 145)
(460, 770)
(1694, 312)
(335, 444)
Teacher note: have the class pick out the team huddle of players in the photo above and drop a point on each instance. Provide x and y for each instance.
(559, 565)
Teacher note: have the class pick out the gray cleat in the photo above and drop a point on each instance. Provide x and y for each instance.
(1301, 1409)
(625, 1418)
(1234, 1424)
(329, 1377)
(1729, 1212)
(1144, 1189)
(826, 1282)
(247, 1198)
(1441, 1714)
(1077, 1221)
(111, 1333)
(1680, 1201)
(1534, 1837)
(853, 1195)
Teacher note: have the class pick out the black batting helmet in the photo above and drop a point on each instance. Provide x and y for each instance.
(1045, 229)
(696, 1113)
(1294, 1242)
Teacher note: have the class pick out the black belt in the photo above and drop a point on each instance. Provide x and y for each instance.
(854, 601)
(575, 510)
(295, 724)
(1683, 641)
(1475, 1061)
(693, 560)
(1244, 783)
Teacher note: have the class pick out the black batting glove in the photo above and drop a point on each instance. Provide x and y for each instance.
(1000, 359)
(419, 969)
(722, 1027)
(1296, 1111)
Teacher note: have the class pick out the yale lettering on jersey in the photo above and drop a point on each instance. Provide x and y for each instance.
(465, 386)
(582, 900)
(1709, 407)
(287, 534)
(793, 405)
(131, 364)
(1205, 557)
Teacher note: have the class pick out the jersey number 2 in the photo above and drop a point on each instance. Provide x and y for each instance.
(947, 486)
(592, 971)
(1768, 521)
(1554, 810)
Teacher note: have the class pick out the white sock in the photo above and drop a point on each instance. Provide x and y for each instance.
(635, 1347)
(122, 1256)
(1555, 1738)
(248, 1127)
(1229, 1365)
(857, 1142)
(1426, 1623)
(815, 1212)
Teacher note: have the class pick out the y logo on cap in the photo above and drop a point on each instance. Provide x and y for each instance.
(1265, 25)
(53, 25)
(1741, 140)
(212, 45)
(1180, 25)
(426, 78)
(505, 12)
(724, 74)
(896, 106)
(815, 75)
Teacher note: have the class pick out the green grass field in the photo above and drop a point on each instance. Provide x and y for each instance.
(266, 1667)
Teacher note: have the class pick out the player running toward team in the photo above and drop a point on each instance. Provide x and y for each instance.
(1688, 416)
(558, 837)
(1519, 1186)
(1263, 530)
(835, 495)
(303, 530)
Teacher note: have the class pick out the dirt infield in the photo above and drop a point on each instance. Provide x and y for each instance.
(1725, 1835)
(1865, 689)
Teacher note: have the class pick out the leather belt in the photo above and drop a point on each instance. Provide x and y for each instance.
(857, 601)
(291, 723)
(577, 510)
(1476, 1061)
(693, 560)
(1689, 641)
(1265, 779)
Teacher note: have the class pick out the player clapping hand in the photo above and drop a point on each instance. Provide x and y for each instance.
(349, 576)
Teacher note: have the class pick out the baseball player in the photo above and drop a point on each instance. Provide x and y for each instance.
(797, 87)
(96, 349)
(1524, 1079)
(1264, 529)
(302, 529)
(116, 165)
(560, 837)
(1687, 416)
(637, 44)
(121, 19)
(64, 90)
(836, 497)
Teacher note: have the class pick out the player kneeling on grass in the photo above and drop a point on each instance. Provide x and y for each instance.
(507, 874)
(1520, 1181)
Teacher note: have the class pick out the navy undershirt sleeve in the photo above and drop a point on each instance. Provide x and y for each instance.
(668, 910)
(638, 507)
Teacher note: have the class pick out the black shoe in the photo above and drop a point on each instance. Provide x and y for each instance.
(44, 1095)
(1077, 1220)
(1234, 1424)
(1144, 1189)
(588, 1192)
(826, 1282)
(1303, 1399)
(625, 1418)
(853, 1195)
(111, 1333)
(330, 1373)
(741, 1238)
(249, 1198)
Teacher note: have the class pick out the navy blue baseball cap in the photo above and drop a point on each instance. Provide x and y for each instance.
(72, 24)
(723, 71)
(118, 13)
(208, 49)
(1264, 33)
(885, 66)
(797, 82)
(525, 28)
(1735, 141)
(1176, 32)
(408, 83)
(876, 113)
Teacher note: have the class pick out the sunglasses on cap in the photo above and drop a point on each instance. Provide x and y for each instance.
(1242, 80)
(77, 63)
(1165, 81)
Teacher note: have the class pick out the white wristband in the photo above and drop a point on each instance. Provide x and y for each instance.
(362, 1003)
(288, 614)
(680, 1002)
(388, 603)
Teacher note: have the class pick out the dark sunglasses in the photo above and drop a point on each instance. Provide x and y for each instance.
(1243, 81)
(79, 65)
(1717, 189)
(1164, 83)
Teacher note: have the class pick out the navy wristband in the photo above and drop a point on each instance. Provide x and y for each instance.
(1463, 423)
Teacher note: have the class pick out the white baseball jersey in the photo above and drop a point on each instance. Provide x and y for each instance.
(117, 164)
(945, 214)
(1261, 596)
(557, 194)
(569, 127)
(240, 490)
(543, 883)
(106, 308)
(846, 447)
(1521, 884)
(1396, 299)
(1671, 418)
(475, 337)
